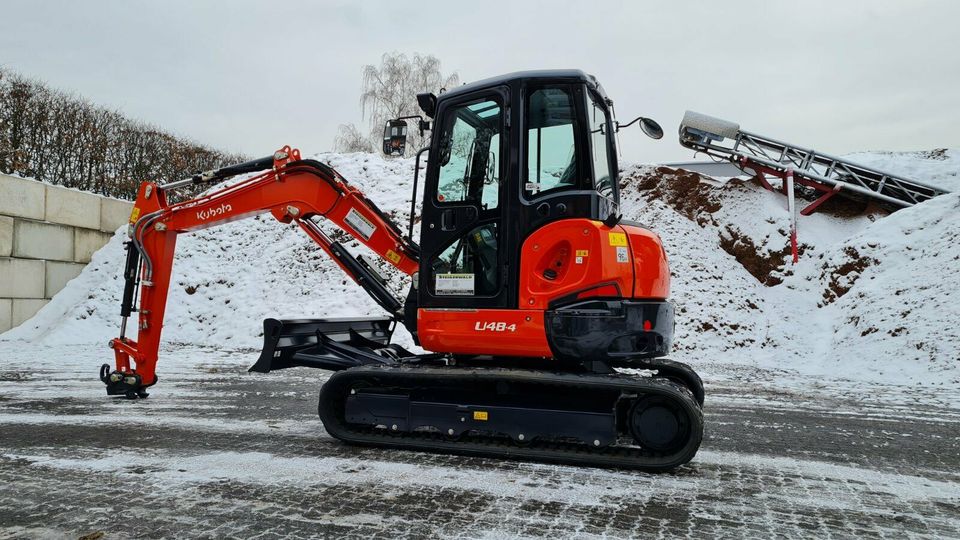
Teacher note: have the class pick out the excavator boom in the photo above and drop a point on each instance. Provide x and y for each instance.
(291, 189)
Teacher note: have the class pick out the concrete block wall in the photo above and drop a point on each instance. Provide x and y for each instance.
(47, 235)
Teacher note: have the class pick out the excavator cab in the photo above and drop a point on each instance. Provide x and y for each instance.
(520, 206)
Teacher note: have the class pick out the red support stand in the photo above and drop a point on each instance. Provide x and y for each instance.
(786, 188)
(762, 178)
(812, 207)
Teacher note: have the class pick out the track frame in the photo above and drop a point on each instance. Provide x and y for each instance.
(611, 452)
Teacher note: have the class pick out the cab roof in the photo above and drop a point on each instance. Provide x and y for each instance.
(557, 75)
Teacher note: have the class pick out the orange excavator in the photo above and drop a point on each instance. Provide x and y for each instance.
(529, 289)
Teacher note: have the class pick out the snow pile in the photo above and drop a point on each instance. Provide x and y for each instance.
(227, 279)
(874, 296)
(939, 167)
(888, 297)
(869, 300)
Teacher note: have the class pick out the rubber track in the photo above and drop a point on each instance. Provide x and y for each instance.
(334, 392)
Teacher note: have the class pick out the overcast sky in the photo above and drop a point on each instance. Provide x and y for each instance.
(838, 76)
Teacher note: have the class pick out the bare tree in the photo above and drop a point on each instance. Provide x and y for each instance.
(390, 91)
(350, 139)
(60, 138)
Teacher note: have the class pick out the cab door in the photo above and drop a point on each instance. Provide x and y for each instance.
(462, 229)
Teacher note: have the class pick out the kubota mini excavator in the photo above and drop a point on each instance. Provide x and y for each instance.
(527, 287)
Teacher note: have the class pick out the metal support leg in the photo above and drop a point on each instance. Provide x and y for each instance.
(762, 178)
(792, 210)
(812, 207)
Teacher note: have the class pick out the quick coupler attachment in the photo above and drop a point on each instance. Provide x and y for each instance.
(128, 385)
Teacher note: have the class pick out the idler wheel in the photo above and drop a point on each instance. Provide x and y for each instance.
(658, 424)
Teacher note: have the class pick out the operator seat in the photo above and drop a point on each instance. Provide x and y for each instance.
(484, 244)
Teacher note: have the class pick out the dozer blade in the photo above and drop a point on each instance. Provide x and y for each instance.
(332, 344)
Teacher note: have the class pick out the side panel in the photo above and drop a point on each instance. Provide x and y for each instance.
(571, 256)
(498, 332)
(651, 270)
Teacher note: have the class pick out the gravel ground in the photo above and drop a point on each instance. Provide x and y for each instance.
(217, 452)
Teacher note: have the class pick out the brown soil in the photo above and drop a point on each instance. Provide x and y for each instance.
(689, 194)
(760, 264)
(855, 265)
(843, 204)
(683, 190)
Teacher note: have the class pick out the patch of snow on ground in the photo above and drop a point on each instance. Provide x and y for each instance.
(883, 302)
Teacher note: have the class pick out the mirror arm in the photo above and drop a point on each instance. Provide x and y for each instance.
(632, 122)
(422, 124)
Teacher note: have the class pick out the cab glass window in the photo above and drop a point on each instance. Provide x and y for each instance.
(550, 148)
(469, 155)
(599, 131)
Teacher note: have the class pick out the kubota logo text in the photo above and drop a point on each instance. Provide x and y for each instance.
(204, 215)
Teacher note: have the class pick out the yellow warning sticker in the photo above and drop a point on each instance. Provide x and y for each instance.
(617, 239)
(480, 415)
(583, 252)
(393, 256)
(134, 215)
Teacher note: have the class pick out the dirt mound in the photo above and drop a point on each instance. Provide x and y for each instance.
(687, 192)
(699, 199)
(764, 264)
(843, 276)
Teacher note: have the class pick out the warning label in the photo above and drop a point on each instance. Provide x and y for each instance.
(454, 284)
(617, 239)
(364, 227)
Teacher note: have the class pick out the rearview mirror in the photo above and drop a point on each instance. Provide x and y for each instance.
(651, 128)
(395, 138)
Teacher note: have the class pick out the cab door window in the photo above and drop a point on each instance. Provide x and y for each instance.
(469, 152)
(468, 267)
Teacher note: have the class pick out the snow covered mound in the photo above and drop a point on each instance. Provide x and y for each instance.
(873, 297)
(890, 294)
(870, 298)
(939, 167)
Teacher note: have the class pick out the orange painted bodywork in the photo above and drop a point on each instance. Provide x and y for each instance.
(500, 332)
(583, 257)
(651, 277)
(583, 254)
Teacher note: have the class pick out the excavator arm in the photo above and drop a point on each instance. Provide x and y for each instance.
(289, 188)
